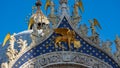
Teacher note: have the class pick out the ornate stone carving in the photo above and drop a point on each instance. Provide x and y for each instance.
(4, 65)
(22, 44)
(117, 42)
(95, 36)
(36, 34)
(11, 51)
(76, 17)
(66, 58)
(95, 39)
(52, 17)
(64, 9)
(83, 29)
(63, 1)
(106, 46)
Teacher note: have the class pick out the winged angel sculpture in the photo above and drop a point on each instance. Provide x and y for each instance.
(78, 5)
(95, 36)
(67, 36)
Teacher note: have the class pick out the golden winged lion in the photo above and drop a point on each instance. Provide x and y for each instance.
(67, 36)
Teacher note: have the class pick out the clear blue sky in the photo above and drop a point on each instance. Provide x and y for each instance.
(14, 12)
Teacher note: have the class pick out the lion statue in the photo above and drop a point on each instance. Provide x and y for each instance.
(66, 35)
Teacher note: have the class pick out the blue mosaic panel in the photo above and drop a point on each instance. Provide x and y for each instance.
(47, 46)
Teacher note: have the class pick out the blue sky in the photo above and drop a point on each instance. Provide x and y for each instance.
(14, 12)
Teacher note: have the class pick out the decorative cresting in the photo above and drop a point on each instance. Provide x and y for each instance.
(47, 46)
(65, 57)
(75, 48)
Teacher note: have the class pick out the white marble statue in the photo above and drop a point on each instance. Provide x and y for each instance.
(95, 39)
(52, 5)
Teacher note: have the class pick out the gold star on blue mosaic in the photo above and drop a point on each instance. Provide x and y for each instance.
(93, 51)
(90, 48)
(16, 65)
(84, 48)
(81, 51)
(22, 59)
(34, 53)
(28, 53)
(25, 56)
(87, 50)
(37, 50)
(97, 54)
(19, 62)
(40, 48)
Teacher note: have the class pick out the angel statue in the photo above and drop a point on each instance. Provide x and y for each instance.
(95, 36)
(52, 17)
(11, 51)
(50, 4)
(78, 5)
(94, 23)
(68, 36)
(117, 42)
